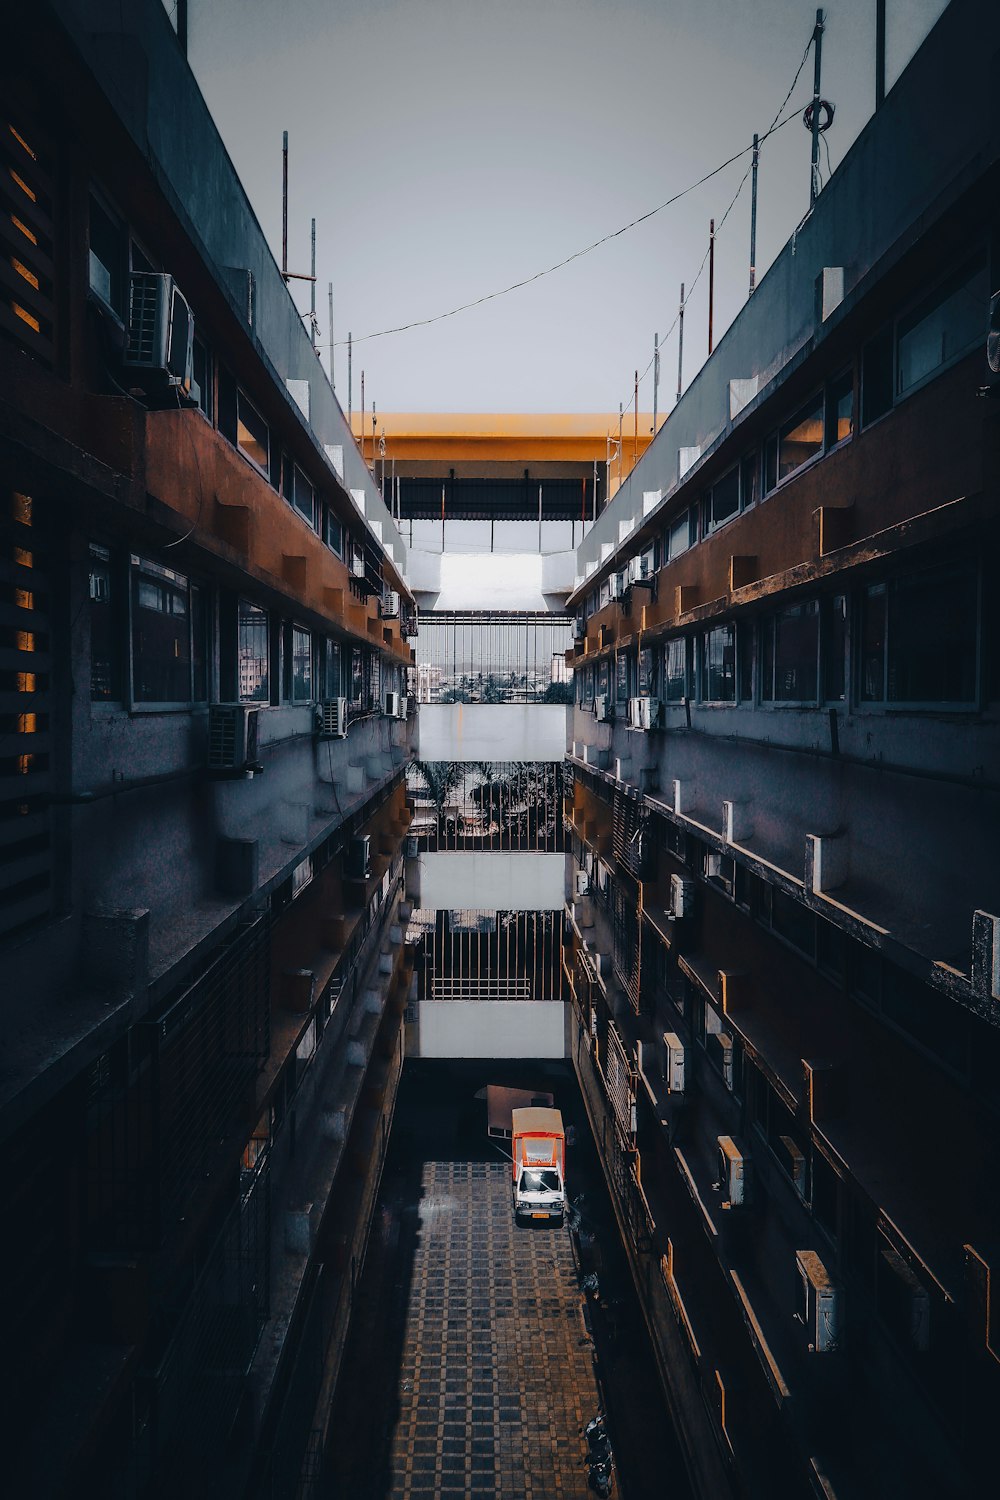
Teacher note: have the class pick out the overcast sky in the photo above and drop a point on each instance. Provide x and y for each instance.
(449, 147)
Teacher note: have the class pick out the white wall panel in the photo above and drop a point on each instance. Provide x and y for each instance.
(492, 731)
(457, 881)
(490, 1028)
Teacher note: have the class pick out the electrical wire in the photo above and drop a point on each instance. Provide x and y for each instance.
(568, 260)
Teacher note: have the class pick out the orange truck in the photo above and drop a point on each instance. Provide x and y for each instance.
(539, 1164)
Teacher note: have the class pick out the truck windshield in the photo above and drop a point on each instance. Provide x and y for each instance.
(536, 1180)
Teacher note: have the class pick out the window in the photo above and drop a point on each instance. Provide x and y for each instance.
(678, 538)
(793, 921)
(108, 257)
(919, 637)
(334, 535)
(749, 480)
(298, 664)
(801, 438)
(622, 676)
(252, 653)
(840, 409)
(105, 655)
(744, 641)
(718, 665)
(201, 377)
(943, 327)
(357, 695)
(876, 377)
(331, 670)
(162, 640)
(833, 644)
(790, 655)
(252, 436)
(648, 685)
(675, 670)
(199, 644)
(722, 501)
(770, 463)
(303, 496)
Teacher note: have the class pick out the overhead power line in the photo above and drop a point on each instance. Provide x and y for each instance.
(516, 286)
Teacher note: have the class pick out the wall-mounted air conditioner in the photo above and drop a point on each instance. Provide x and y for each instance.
(331, 719)
(794, 1163)
(233, 737)
(634, 713)
(389, 605)
(719, 1046)
(673, 1062)
(358, 858)
(412, 846)
(682, 894)
(616, 585)
(579, 628)
(820, 1303)
(600, 707)
(734, 1172)
(581, 883)
(390, 705)
(403, 711)
(160, 329)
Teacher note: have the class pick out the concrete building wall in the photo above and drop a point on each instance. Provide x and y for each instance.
(492, 731)
(490, 1028)
(492, 882)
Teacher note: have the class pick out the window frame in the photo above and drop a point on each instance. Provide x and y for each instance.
(137, 705)
(885, 704)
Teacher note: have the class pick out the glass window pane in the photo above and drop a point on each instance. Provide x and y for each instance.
(107, 257)
(303, 496)
(839, 409)
(723, 500)
(199, 645)
(201, 377)
(943, 327)
(679, 539)
(801, 438)
(872, 655)
(745, 640)
(105, 655)
(161, 645)
(834, 644)
(718, 683)
(252, 650)
(251, 432)
(676, 670)
(301, 665)
(796, 647)
(332, 687)
(876, 377)
(932, 636)
(770, 463)
(334, 534)
(749, 480)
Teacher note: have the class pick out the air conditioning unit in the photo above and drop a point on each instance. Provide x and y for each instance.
(616, 585)
(579, 628)
(581, 884)
(673, 1062)
(734, 1172)
(634, 714)
(389, 605)
(232, 737)
(403, 711)
(820, 1307)
(390, 705)
(682, 893)
(649, 712)
(358, 860)
(412, 846)
(331, 719)
(794, 1163)
(160, 329)
(357, 564)
(601, 707)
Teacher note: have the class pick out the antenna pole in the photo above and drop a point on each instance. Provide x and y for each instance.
(817, 72)
(312, 288)
(329, 293)
(284, 204)
(711, 279)
(635, 428)
(753, 216)
(656, 375)
(621, 414)
(362, 413)
(680, 346)
(879, 53)
(350, 403)
(593, 497)
(182, 25)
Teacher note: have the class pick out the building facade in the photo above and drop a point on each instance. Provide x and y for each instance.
(205, 642)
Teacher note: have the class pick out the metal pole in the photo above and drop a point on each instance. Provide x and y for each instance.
(539, 518)
(362, 413)
(711, 279)
(621, 417)
(879, 53)
(817, 70)
(333, 379)
(284, 204)
(680, 346)
(656, 375)
(753, 216)
(182, 25)
(594, 496)
(374, 459)
(350, 403)
(442, 517)
(312, 288)
(635, 427)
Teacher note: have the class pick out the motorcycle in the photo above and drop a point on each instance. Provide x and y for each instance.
(600, 1459)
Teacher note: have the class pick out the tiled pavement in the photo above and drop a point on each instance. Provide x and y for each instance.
(496, 1378)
